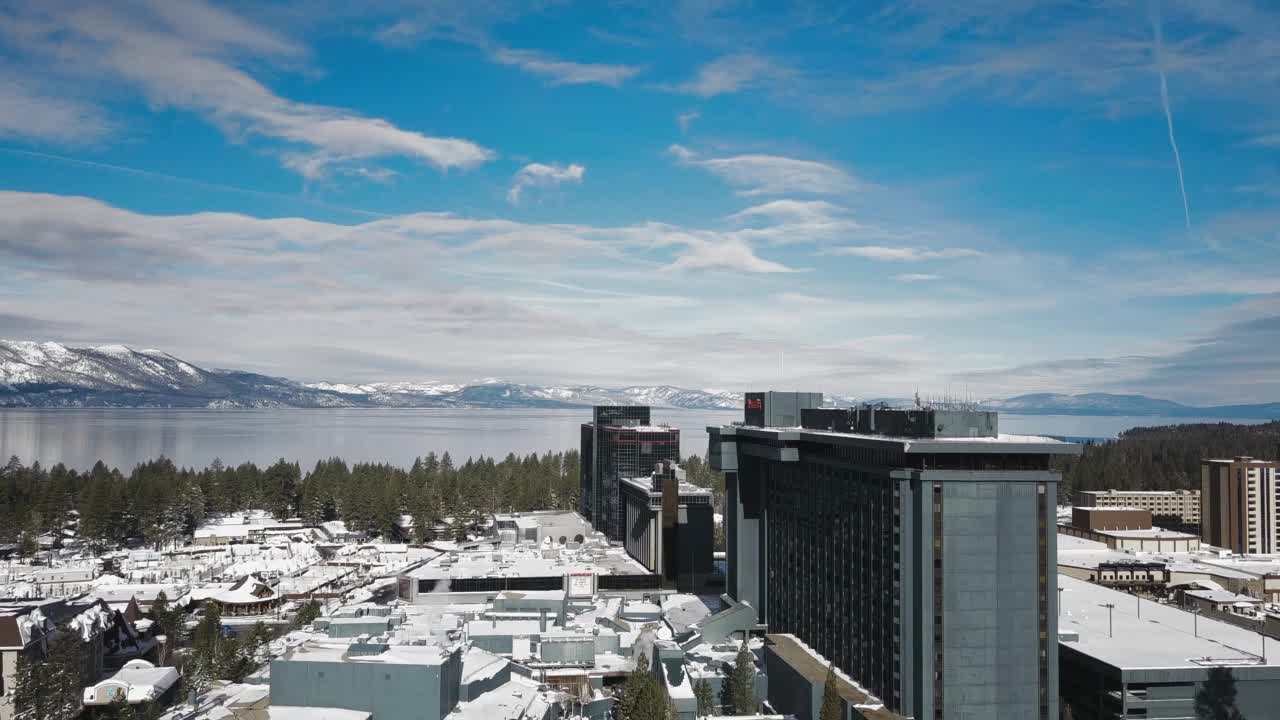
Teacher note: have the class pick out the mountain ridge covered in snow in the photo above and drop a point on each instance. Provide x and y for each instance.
(48, 374)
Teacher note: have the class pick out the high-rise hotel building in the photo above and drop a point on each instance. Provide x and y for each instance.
(916, 549)
(1240, 505)
(619, 443)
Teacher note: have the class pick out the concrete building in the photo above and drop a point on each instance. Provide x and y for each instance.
(669, 527)
(1122, 657)
(1155, 540)
(559, 526)
(619, 443)
(915, 549)
(480, 571)
(1240, 504)
(1169, 508)
(392, 682)
(798, 678)
(1110, 518)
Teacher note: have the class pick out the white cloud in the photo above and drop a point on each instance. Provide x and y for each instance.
(538, 175)
(756, 174)
(916, 277)
(685, 119)
(563, 72)
(728, 74)
(904, 254)
(30, 114)
(724, 253)
(792, 211)
(184, 55)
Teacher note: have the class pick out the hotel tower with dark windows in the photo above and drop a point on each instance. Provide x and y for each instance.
(913, 548)
(619, 443)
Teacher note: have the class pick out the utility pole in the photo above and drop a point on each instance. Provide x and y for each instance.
(1110, 627)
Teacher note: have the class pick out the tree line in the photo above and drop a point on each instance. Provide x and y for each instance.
(1163, 458)
(159, 503)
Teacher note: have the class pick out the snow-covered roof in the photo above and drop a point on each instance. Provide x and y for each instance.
(293, 712)
(519, 698)
(480, 664)
(1164, 637)
(137, 682)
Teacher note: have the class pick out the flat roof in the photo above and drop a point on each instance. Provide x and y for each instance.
(1154, 533)
(813, 667)
(1141, 492)
(1164, 637)
(1002, 443)
(539, 561)
(329, 652)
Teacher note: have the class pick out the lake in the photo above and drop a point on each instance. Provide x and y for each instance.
(123, 437)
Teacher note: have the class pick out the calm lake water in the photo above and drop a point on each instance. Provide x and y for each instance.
(123, 437)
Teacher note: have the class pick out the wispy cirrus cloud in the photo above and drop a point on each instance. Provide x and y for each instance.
(760, 174)
(29, 114)
(917, 277)
(186, 54)
(729, 74)
(564, 72)
(540, 175)
(904, 254)
(685, 119)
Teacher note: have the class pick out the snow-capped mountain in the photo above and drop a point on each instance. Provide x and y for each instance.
(55, 375)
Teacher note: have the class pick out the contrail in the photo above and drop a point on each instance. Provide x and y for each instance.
(1156, 25)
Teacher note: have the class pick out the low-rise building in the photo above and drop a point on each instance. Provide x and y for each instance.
(1172, 508)
(1101, 519)
(1151, 540)
(136, 683)
(1122, 657)
(391, 682)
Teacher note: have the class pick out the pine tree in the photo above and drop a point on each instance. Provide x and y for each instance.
(1216, 699)
(831, 707)
(306, 614)
(63, 674)
(171, 620)
(743, 682)
(642, 696)
(32, 695)
(706, 699)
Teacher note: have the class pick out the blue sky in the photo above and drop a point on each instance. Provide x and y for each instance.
(976, 198)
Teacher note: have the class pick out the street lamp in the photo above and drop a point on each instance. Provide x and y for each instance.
(1195, 621)
(1110, 627)
(1060, 589)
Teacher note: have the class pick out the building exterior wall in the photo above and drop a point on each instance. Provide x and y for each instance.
(920, 584)
(388, 691)
(1166, 542)
(8, 674)
(1111, 518)
(1098, 691)
(1240, 505)
(1181, 504)
(617, 444)
(643, 533)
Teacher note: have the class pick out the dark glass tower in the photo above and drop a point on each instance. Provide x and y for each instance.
(619, 443)
(913, 548)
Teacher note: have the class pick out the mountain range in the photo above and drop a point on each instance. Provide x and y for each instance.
(50, 374)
